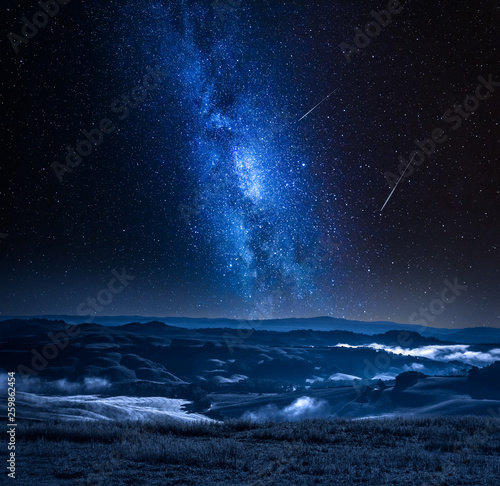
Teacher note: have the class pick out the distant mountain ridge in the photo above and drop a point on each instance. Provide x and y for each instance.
(160, 352)
(473, 335)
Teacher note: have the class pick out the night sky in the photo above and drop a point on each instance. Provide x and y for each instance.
(210, 188)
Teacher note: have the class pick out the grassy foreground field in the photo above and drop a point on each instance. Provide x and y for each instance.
(397, 451)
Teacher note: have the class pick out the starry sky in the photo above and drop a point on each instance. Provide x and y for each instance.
(167, 140)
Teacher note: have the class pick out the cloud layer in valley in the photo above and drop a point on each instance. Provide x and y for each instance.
(444, 353)
(302, 408)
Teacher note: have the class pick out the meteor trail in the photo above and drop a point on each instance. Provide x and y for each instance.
(394, 188)
(312, 109)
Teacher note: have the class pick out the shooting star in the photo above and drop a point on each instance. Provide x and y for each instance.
(312, 109)
(399, 180)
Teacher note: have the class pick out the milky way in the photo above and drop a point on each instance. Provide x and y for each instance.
(250, 195)
(254, 188)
